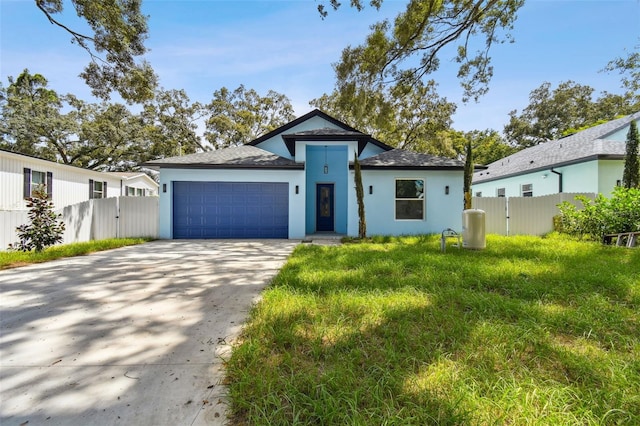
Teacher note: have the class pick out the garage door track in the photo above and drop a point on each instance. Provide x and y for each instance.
(132, 336)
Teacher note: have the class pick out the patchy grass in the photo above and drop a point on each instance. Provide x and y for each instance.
(13, 259)
(394, 332)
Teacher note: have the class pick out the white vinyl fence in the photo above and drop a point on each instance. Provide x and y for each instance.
(523, 215)
(117, 217)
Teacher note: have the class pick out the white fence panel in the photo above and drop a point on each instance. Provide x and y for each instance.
(495, 209)
(77, 220)
(105, 218)
(523, 215)
(117, 217)
(138, 217)
(9, 221)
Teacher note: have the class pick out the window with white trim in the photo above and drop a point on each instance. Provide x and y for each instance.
(526, 190)
(500, 192)
(409, 199)
(38, 180)
(97, 189)
(479, 194)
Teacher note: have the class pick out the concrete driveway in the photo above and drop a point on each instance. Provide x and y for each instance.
(132, 336)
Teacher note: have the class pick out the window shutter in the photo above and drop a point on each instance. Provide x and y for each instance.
(49, 185)
(126, 190)
(90, 189)
(26, 187)
(104, 189)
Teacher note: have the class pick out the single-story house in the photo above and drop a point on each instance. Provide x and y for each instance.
(591, 160)
(298, 180)
(20, 174)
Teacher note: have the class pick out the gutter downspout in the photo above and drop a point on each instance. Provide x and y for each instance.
(559, 180)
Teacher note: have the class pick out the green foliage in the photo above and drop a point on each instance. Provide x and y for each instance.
(45, 229)
(529, 331)
(631, 173)
(594, 218)
(119, 30)
(552, 114)
(238, 117)
(629, 68)
(37, 121)
(362, 221)
(170, 124)
(488, 146)
(410, 47)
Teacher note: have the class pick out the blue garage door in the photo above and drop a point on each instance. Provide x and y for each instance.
(230, 210)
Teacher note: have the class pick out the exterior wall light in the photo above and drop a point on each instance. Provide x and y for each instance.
(446, 190)
(297, 189)
(370, 189)
(326, 165)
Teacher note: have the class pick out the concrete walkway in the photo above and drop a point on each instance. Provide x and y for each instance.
(131, 336)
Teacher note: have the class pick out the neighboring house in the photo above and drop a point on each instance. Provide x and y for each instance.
(588, 161)
(21, 174)
(298, 180)
(136, 184)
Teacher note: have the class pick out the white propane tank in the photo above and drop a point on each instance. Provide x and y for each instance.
(473, 229)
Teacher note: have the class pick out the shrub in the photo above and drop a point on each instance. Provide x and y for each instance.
(620, 213)
(45, 228)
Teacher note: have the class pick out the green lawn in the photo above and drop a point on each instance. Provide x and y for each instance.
(13, 259)
(529, 331)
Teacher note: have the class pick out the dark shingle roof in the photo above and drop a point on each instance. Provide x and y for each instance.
(409, 160)
(238, 157)
(583, 146)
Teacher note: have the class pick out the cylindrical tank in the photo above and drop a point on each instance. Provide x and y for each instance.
(473, 229)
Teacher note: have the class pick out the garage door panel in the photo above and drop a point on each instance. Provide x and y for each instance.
(230, 210)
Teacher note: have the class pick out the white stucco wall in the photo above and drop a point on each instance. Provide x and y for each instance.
(442, 211)
(610, 172)
(598, 176)
(294, 177)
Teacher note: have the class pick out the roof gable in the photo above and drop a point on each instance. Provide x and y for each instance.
(339, 133)
(590, 144)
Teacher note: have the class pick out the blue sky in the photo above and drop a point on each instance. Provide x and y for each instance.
(283, 45)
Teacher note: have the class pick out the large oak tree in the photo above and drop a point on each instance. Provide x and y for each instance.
(411, 46)
(115, 45)
(239, 116)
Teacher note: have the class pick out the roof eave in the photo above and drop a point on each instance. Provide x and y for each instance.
(230, 166)
(552, 166)
(397, 167)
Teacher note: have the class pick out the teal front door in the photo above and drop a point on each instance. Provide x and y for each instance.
(325, 220)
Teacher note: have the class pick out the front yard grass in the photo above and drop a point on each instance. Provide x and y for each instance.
(394, 332)
(13, 259)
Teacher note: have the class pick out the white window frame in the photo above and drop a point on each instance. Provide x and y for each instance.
(34, 182)
(501, 192)
(479, 194)
(98, 193)
(420, 198)
(526, 190)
